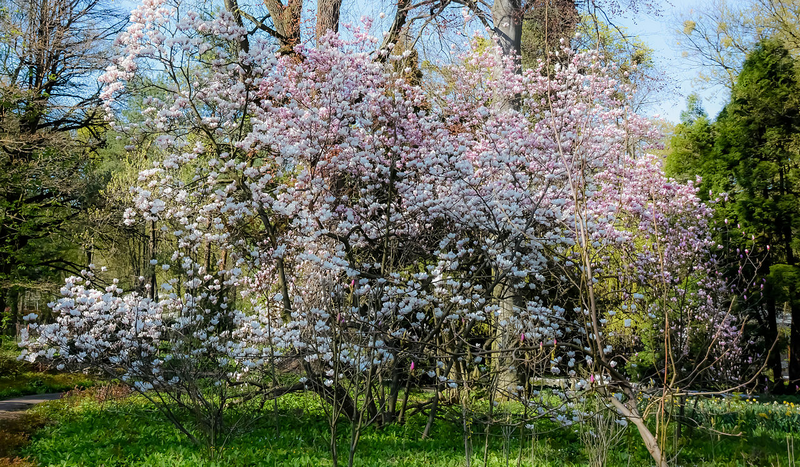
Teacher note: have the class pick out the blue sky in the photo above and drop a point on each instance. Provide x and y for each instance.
(657, 32)
(653, 29)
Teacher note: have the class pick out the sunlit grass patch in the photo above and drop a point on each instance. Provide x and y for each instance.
(129, 431)
(20, 378)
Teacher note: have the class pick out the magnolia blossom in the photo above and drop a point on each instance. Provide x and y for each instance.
(328, 211)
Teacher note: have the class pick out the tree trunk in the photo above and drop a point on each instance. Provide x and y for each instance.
(5, 316)
(394, 391)
(631, 413)
(507, 18)
(774, 362)
(153, 293)
(794, 342)
(232, 6)
(503, 342)
(12, 302)
(794, 346)
(286, 19)
(327, 17)
(398, 25)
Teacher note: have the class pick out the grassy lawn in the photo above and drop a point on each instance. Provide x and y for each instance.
(85, 431)
(104, 426)
(18, 378)
(130, 432)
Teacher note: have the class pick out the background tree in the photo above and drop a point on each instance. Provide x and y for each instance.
(758, 137)
(782, 19)
(628, 58)
(748, 157)
(715, 37)
(691, 150)
(50, 121)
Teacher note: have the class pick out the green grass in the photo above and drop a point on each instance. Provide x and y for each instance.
(19, 378)
(130, 432)
(764, 431)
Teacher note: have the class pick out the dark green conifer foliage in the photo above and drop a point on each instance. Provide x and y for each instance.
(760, 132)
(751, 153)
(691, 150)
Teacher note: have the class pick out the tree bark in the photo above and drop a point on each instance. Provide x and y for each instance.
(774, 361)
(503, 342)
(232, 6)
(398, 25)
(327, 17)
(5, 317)
(794, 346)
(507, 19)
(631, 413)
(153, 292)
(286, 19)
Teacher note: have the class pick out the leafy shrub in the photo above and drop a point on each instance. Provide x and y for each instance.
(15, 433)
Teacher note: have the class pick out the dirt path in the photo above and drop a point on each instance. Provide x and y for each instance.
(9, 407)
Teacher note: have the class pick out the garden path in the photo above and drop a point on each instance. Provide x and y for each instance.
(10, 406)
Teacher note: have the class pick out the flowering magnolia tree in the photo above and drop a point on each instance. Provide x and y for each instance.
(325, 215)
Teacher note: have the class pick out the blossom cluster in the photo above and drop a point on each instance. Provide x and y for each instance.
(326, 210)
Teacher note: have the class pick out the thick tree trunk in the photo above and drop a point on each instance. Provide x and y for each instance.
(794, 342)
(286, 19)
(501, 347)
(327, 17)
(394, 392)
(233, 8)
(794, 346)
(5, 316)
(398, 25)
(507, 18)
(12, 302)
(153, 292)
(774, 362)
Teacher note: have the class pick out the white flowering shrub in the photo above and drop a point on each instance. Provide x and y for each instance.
(327, 215)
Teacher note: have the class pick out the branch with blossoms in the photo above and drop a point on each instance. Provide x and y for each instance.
(332, 224)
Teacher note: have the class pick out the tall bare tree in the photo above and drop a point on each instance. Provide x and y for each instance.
(50, 118)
